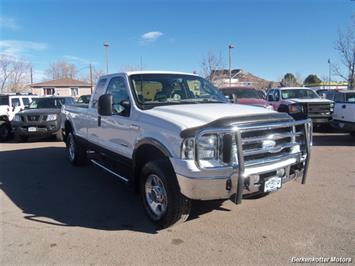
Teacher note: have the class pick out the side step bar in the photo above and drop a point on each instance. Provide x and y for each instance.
(108, 170)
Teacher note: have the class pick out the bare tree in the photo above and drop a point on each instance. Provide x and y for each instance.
(211, 65)
(96, 74)
(61, 69)
(345, 45)
(14, 74)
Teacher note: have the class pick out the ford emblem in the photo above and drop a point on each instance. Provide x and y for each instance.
(268, 144)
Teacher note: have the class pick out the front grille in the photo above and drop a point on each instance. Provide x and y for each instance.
(318, 109)
(270, 142)
(33, 118)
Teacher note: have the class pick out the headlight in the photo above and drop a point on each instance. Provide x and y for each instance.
(211, 150)
(51, 117)
(17, 118)
(295, 108)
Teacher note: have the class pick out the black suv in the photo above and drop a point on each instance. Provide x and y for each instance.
(41, 118)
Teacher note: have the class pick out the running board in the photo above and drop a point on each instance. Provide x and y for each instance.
(108, 170)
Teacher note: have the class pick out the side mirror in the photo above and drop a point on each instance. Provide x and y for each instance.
(104, 105)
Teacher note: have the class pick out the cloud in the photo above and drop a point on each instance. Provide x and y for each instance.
(18, 48)
(9, 23)
(151, 36)
(78, 59)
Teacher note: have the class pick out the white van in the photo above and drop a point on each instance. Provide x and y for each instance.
(344, 111)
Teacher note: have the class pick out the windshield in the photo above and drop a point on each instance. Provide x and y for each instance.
(40, 103)
(299, 94)
(162, 89)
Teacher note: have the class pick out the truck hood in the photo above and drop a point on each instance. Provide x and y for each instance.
(194, 115)
(309, 100)
(39, 111)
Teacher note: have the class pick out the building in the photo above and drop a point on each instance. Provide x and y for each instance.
(62, 87)
(240, 78)
(328, 86)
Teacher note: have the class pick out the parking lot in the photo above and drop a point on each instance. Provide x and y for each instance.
(52, 212)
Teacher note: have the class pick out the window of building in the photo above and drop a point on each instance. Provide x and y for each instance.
(74, 92)
(48, 91)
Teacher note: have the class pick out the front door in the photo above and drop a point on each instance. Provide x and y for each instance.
(118, 132)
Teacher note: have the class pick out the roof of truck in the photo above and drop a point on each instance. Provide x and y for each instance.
(129, 73)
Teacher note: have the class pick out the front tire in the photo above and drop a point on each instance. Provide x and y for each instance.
(76, 152)
(161, 195)
(5, 131)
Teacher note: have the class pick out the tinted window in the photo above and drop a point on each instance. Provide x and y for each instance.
(15, 102)
(339, 97)
(117, 88)
(4, 100)
(26, 101)
(99, 90)
(350, 97)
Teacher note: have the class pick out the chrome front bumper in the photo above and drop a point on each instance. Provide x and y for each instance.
(202, 184)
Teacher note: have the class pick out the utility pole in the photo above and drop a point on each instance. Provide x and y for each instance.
(106, 45)
(141, 62)
(31, 75)
(91, 77)
(230, 47)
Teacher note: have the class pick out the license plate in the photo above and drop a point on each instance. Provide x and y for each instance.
(32, 129)
(272, 184)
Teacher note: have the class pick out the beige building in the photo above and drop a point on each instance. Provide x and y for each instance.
(61, 87)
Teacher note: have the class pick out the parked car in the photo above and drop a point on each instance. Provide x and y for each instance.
(183, 141)
(42, 118)
(302, 103)
(84, 99)
(344, 111)
(10, 104)
(246, 95)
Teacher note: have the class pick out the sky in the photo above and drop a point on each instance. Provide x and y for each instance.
(271, 37)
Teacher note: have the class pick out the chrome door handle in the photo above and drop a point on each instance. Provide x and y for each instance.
(134, 127)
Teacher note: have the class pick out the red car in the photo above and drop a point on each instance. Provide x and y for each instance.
(246, 95)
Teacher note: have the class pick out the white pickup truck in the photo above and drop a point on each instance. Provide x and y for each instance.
(174, 138)
(344, 111)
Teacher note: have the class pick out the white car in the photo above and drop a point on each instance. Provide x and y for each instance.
(344, 111)
(10, 104)
(175, 138)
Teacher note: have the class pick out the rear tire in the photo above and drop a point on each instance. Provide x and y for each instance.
(19, 138)
(76, 152)
(161, 195)
(4, 132)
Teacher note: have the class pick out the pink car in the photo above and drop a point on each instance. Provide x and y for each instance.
(246, 95)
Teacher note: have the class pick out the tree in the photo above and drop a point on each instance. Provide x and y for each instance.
(312, 79)
(14, 74)
(289, 80)
(210, 65)
(345, 45)
(61, 69)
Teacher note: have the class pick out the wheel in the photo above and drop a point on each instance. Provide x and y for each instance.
(161, 195)
(19, 138)
(4, 132)
(76, 153)
(59, 136)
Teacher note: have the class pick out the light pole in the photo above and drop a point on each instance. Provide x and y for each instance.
(106, 45)
(230, 47)
(329, 77)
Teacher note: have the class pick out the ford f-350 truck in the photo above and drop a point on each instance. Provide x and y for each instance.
(175, 138)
